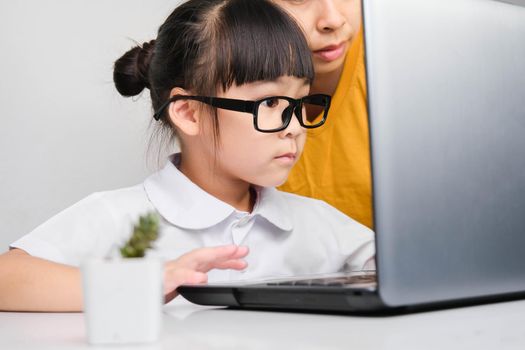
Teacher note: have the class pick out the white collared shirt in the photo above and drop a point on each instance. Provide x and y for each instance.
(287, 234)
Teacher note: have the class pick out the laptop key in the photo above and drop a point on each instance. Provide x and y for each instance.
(302, 283)
(329, 282)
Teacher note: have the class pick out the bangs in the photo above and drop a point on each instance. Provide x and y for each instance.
(256, 41)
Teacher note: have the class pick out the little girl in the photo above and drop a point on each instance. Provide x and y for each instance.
(230, 79)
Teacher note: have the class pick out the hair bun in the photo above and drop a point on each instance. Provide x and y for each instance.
(131, 71)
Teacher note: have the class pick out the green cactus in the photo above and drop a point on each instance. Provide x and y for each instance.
(145, 232)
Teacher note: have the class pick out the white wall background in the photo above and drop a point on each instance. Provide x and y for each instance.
(65, 132)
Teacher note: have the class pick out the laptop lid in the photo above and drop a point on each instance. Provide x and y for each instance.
(446, 84)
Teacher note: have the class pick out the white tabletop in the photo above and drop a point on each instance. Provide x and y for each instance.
(186, 326)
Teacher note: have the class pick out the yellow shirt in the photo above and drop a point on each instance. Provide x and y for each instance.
(335, 165)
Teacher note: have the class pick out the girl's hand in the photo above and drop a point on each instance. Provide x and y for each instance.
(192, 267)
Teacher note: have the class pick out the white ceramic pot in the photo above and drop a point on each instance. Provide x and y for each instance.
(123, 300)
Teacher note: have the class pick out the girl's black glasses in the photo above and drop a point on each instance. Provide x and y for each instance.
(270, 114)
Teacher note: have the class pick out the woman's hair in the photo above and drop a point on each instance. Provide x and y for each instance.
(205, 45)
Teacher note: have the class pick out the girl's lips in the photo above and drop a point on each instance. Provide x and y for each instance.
(287, 158)
(331, 53)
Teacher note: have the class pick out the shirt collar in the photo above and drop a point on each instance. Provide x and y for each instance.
(186, 205)
(272, 206)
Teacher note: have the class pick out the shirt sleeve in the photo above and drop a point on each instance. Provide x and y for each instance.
(86, 229)
(355, 242)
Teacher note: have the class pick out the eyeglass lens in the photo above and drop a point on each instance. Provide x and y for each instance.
(274, 112)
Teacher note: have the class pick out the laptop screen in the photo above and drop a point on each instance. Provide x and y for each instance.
(447, 120)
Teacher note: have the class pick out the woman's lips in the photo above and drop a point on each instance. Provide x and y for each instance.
(331, 53)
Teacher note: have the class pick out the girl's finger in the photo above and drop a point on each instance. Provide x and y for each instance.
(221, 260)
(230, 264)
(203, 259)
(178, 276)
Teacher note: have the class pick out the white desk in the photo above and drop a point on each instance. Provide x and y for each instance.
(493, 326)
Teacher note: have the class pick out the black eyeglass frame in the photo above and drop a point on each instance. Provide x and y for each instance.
(252, 107)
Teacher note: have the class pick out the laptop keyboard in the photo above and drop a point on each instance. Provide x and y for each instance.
(343, 281)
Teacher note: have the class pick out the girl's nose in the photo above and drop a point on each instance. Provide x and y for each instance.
(294, 128)
(330, 17)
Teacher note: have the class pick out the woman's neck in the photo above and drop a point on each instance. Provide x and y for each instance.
(236, 193)
(326, 83)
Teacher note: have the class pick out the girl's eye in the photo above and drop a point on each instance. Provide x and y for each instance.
(271, 102)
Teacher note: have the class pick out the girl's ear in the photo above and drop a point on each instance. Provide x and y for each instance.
(183, 114)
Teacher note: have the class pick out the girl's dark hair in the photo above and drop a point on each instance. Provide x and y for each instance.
(205, 45)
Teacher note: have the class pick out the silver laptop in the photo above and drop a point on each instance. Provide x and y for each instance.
(446, 87)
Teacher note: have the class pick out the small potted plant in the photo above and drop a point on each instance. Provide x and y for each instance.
(123, 296)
